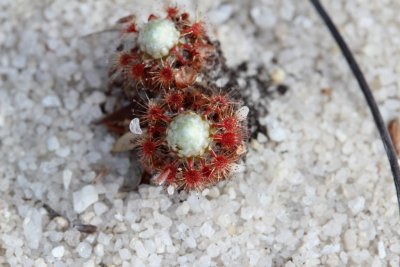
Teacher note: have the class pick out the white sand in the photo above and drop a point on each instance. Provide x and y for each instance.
(317, 191)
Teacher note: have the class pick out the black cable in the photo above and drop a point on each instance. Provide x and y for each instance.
(387, 142)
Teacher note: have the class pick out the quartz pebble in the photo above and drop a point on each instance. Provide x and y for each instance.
(100, 208)
(207, 230)
(350, 239)
(381, 250)
(85, 197)
(62, 223)
(67, 178)
(33, 228)
(125, 254)
(275, 131)
(140, 249)
(51, 101)
(58, 252)
(356, 205)
(89, 263)
(52, 143)
(278, 76)
(84, 250)
(40, 263)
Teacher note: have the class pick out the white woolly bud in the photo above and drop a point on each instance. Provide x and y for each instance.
(157, 37)
(188, 134)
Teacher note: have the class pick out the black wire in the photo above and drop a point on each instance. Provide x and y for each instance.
(387, 142)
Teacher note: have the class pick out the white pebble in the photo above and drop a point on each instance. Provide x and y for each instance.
(154, 260)
(62, 223)
(19, 61)
(356, 205)
(261, 138)
(330, 249)
(148, 233)
(395, 247)
(191, 242)
(140, 249)
(84, 250)
(96, 98)
(207, 230)
(221, 14)
(381, 250)
(224, 220)
(125, 254)
(88, 177)
(52, 143)
(134, 126)
(89, 263)
(32, 226)
(170, 190)
(51, 101)
(350, 239)
(40, 263)
(100, 208)
(99, 250)
(278, 76)
(247, 213)
(183, 209)
(194, 203)
(104, 238)
(275, 131)
(12, 241)
(85, 197)
(290, 264)
(254, 257)
(67, 177)
(204, 261)
(63, 152)
(93, 78)
(58, 252)
(213, 250)
(263, 17)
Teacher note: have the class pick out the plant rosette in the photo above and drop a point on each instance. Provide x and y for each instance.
(189, 139)
(163, 53)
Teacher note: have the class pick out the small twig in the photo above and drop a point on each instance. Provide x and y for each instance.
(51, 212)
(100, 174)
(85, 228)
